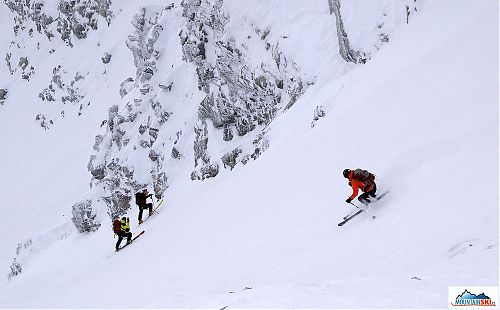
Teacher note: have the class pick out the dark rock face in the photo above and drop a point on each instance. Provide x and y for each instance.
(71, 21)
(240, 100)
(98, 171)
(106, 58)
(206, 171)
(230, 159)
(201, 155)
(30, 10)
(142, 43)
(65, 90)
(126, 86)
(228, 133)
(76, 17)
(81, 16)
(175, 153)
(134, 126)
(118, 203)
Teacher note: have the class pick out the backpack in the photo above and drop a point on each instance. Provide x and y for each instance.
(140, 198)
(363, 175)
(117, 227)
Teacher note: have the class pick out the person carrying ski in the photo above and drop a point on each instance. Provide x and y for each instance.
(140, 200)
(122, 229)
(363, 180)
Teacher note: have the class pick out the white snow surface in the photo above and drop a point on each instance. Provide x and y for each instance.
(422, 115)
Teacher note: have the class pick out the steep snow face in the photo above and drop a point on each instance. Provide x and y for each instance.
(243, 70)
(200, 99)
(45, 144)
(210, 77)
(422, 115)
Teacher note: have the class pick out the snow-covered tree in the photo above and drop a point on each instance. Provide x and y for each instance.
(84, 217)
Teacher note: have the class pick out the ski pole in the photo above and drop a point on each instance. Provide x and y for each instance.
(355, 205)
(364, 209)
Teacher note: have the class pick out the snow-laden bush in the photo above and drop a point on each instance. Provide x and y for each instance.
(26, 250)
(3, 95)
(15, 269)
(319, 112)
(84, 217)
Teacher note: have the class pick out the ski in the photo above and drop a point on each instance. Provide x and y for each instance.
(136, 236)
(372, 201)
(158, 205)
(350, 217)
(380, 196)
(154, 211)
(350, 214)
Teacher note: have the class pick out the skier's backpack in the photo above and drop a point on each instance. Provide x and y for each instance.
(363, 175)
(140, 198)
(117, 226)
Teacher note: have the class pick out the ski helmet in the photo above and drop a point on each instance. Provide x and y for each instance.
(346, 173)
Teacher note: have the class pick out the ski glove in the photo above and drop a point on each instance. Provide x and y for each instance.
(348, 200)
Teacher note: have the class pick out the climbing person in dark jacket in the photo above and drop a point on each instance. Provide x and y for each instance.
(122, 229)
(140, 200)
(363, 180)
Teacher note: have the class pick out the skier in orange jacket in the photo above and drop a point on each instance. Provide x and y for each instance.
(363, 180)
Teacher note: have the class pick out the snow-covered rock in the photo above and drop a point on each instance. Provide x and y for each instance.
(241, 115)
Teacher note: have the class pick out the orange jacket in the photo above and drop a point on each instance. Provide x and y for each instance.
(357, 185)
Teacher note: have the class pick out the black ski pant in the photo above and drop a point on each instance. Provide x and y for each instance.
(148, 206)
(364, 198)
(123, 235)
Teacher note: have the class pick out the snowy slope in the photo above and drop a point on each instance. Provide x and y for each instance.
(422, 115)
(45, 170)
